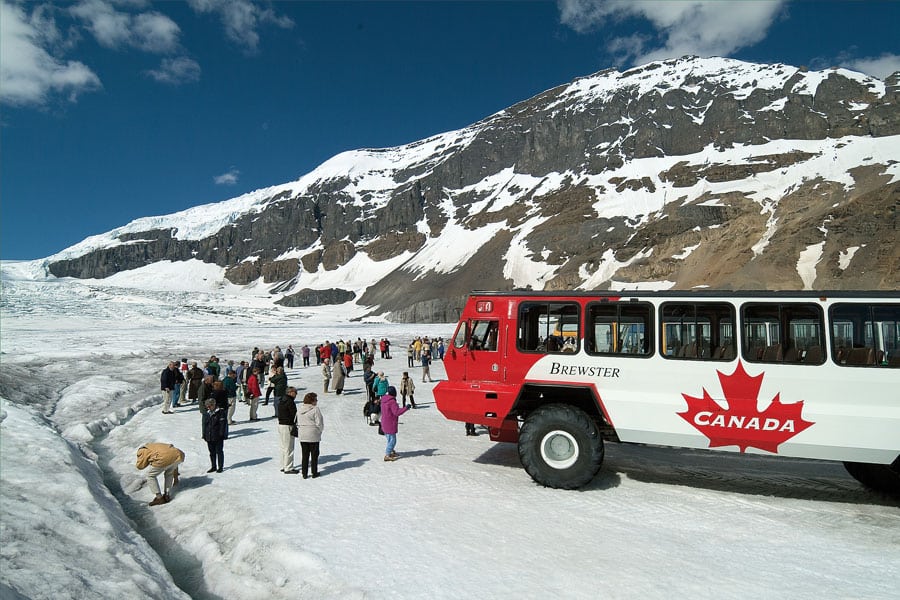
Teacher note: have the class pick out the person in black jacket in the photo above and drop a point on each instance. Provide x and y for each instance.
(287, 422)
(167, 380)
(215, 432)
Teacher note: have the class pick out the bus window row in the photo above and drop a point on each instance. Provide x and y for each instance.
(771, 332)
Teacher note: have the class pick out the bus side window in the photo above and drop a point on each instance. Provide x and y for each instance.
(619, 328)
(782, 332)
(697, 330)
(865, 334)
(462, 334)
(548, 327)
(484, 336)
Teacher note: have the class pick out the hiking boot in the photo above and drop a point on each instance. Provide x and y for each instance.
(167, 498)
(160, 499)
(389, 458)
(393, 454)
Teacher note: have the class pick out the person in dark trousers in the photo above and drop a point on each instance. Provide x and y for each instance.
(310, 425)
(289, 356)
(470, 429)
(215, 432)
(279, 383)
(407, 388)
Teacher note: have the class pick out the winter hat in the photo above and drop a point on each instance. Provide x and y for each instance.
(392, 391)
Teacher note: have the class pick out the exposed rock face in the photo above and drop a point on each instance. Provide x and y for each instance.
(307, 297)
(686, 172)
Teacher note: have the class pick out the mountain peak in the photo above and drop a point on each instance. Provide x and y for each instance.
(679, 173)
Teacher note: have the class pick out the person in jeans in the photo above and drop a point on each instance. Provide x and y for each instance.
(390, 419)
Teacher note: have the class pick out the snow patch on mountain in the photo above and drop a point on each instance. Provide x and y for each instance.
(738, 77)
(806, 264)
(358, 274)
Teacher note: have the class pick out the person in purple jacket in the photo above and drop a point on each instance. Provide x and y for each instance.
(390, 415)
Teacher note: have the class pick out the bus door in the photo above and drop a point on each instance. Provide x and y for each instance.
(477, 350)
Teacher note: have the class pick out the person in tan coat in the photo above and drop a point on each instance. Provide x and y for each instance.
(162, 459)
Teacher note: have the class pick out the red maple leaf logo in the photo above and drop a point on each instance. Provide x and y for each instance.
(742, 425)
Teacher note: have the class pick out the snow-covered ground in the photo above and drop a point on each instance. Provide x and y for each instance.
(456, 516)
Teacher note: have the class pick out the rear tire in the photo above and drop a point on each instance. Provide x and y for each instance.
(560, 447)
(881, 478)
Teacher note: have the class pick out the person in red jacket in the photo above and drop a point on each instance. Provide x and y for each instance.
(390, 419)
(253, 392)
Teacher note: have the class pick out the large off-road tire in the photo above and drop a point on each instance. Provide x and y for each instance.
(882, 478)
(560, 446)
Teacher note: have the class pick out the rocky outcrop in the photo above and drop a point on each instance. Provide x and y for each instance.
(307, 297)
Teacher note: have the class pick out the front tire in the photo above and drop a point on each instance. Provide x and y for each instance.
(560, 447)
(881, 478)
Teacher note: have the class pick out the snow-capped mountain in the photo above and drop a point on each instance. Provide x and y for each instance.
(677, 174)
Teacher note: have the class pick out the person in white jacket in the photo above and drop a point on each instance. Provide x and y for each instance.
(310, 426)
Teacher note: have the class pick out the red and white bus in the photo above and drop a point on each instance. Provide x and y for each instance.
(800, 374)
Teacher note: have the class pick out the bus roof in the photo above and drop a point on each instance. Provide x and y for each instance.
(704, 293)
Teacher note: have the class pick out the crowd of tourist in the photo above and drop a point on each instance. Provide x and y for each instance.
(217, 387)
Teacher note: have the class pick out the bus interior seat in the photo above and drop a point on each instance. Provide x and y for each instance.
(813, 355)
(894, 361)
(792, 355)
(773, 354)
(861, 356)
(689, 351)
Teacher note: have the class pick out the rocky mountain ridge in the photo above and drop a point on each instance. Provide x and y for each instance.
(678, 174)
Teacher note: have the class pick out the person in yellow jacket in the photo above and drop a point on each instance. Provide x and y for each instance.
(162, 459)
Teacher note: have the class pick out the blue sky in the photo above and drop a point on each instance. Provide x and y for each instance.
(112, 110)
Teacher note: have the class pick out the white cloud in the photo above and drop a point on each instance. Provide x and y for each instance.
(29, 73)
(150, 31)
(703, 28)
(241, 19)
(176, 71)
(229, 178)
(880, 66)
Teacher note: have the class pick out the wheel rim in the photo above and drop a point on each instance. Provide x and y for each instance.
(559, 449)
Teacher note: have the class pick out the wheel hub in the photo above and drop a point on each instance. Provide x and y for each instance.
(559, 449)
